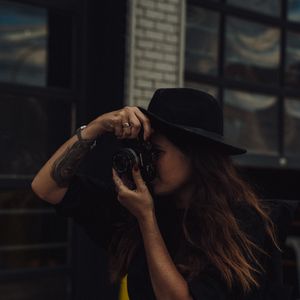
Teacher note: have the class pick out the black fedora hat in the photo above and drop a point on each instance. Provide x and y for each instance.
(190, 111)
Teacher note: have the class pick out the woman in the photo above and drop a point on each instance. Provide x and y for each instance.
(201, 233)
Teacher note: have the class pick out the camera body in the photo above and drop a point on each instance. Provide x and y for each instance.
(135, 151)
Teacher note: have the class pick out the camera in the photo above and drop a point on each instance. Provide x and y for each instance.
(136, 151)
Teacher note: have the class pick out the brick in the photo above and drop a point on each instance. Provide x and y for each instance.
(155, 15)
(170, 77)
(166, 47)
(154, 35)
(170, 58)
(165, 27)
(167, 7)
(164, 67)
(139, 53)
(173, 18)
(145, 64)
(145, 23)
(143, 83)
(147, 94)
(147, 74)
(177, 2)
(147, 3)
(154, 55)
(145, 44)
(171, 38)
(139, 32)
(140, 11)
(159, 85)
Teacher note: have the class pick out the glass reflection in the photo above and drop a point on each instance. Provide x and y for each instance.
(292, 127)
(210, 89)
(23, 40)
(292, 70)
(252, 51)
(201, 54)
(269, 7)
(293, 10)
(250, 120)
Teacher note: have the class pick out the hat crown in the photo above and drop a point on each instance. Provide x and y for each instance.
(188, 107)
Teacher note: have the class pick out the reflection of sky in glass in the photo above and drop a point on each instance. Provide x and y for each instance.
(270, 7)
(252, 43)
(294, 10)
(23, 40)
(250, 120)
(252, 51)
(201, 40)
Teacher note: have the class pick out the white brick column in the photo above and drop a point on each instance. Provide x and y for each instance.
(154, 58)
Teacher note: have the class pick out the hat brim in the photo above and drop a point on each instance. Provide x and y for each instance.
(197, 132)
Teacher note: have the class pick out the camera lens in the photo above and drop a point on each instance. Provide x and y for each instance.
(124, 160)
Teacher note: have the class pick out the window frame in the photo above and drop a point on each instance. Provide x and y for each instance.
(280, 91)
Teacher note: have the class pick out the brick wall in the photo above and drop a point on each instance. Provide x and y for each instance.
(154, 43)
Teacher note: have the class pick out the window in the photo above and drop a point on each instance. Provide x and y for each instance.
(247, 55)
(23, 38)
(36, 101)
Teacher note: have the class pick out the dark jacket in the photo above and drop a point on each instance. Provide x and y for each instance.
(93, 204)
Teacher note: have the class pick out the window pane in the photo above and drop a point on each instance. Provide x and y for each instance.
(31, 234)
(269, 7)
(201, 53)
(252, 51)
(23, 40)
(210, 89)
(31, 129)
(292, 71)
(250, 120)
(294, 10)
(49, 288)
(292, 127)
(29, 258)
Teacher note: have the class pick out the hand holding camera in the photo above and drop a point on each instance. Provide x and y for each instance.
(124, 123)
(133, 127)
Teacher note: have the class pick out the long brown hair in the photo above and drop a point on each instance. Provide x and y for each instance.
(212, 233)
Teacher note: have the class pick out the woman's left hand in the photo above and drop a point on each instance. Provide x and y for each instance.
(139, 201)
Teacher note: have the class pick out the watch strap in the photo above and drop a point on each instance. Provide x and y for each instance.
(91, 142)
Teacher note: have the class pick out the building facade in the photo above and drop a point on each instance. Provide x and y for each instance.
(63, 63)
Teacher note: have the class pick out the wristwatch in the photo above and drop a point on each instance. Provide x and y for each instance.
(91, 142)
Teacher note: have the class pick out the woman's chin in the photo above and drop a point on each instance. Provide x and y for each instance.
(159, 190)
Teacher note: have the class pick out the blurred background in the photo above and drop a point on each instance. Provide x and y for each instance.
(65, 62)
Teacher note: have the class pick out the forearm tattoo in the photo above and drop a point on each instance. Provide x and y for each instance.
(64, 167)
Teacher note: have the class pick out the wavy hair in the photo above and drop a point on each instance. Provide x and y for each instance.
(213, 234)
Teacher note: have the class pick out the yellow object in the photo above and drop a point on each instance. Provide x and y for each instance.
(123, 294)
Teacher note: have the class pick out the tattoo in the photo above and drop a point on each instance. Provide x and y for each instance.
(64, 167)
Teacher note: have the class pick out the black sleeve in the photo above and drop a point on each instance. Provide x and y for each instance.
(282, 214)
(93, 205)
(208, 287)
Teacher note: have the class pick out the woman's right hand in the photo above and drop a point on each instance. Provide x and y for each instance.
(113, 122)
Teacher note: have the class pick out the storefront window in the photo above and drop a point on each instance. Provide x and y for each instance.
(292, 127)
(252, 52)
(202, 40)
(269, 7)
(23, 40)
(251, 121)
